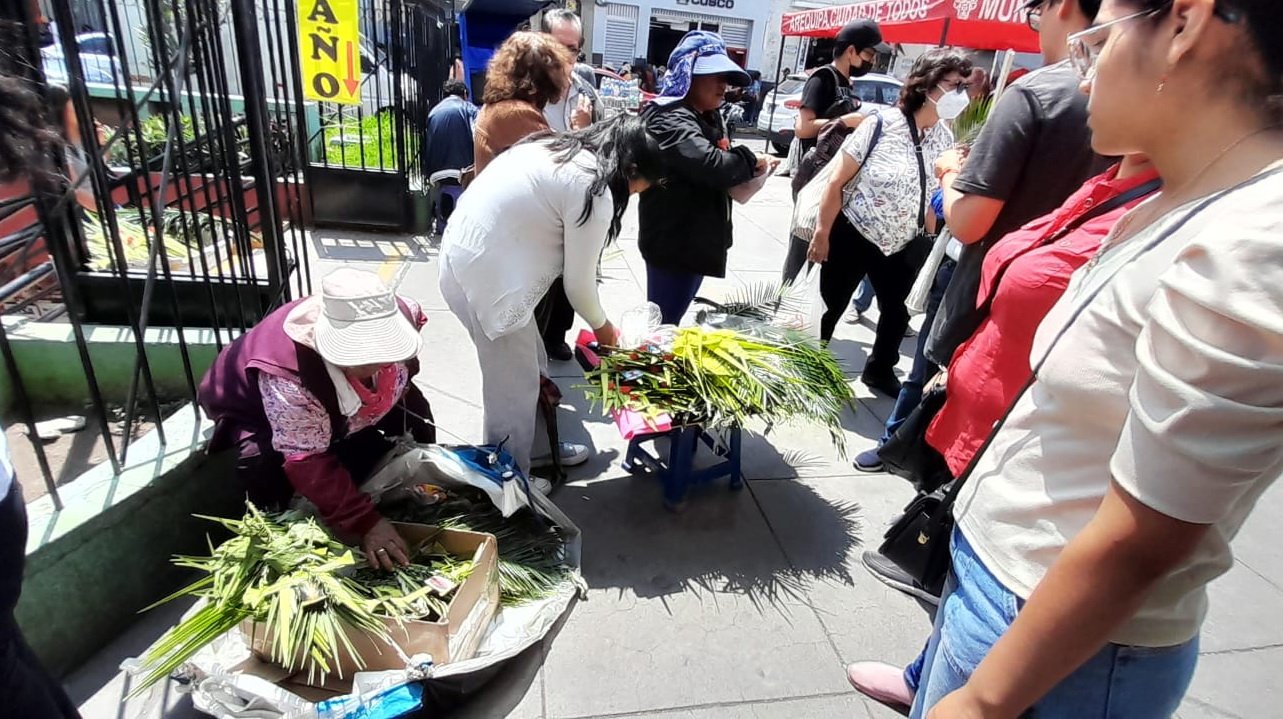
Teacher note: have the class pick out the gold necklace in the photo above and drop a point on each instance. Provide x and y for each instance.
(1119, 232)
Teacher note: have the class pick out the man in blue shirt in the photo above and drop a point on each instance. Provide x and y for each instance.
(448, 144)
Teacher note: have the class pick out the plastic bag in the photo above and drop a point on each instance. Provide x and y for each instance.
(916, 302)
(810, 299)
(806, 211)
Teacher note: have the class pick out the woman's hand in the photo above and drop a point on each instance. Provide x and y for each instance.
(383, 547)
(818, 252)
(582, 116)
(948, 161)
(852, 119)
(607, 335)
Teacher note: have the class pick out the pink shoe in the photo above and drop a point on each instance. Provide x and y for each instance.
(882, 683)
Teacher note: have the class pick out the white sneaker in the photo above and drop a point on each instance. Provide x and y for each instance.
(854, 317)
(572, 455)
(541, 485)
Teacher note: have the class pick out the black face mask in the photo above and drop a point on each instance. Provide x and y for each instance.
(861, 70)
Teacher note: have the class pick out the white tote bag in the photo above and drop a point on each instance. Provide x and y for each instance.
(916, 302)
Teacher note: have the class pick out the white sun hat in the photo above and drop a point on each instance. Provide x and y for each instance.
(359, 322)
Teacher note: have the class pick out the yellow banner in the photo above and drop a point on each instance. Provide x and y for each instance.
(330, 51)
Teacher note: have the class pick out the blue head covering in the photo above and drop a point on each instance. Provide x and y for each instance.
(698, 53)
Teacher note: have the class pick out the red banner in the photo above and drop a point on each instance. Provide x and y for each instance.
(977, 24)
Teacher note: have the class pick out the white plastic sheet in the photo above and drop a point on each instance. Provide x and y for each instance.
(228, 682)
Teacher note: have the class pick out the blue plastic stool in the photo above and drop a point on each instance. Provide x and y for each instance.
(678, 472)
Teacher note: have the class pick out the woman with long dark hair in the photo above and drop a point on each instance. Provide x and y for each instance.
(1106, 502)
(27, 144)
(543, 210)
(876, 203)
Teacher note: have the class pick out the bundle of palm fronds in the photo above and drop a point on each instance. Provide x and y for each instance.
(967, 126)
(532, 561)
(724, 377)
(186, 234)
(304, 587)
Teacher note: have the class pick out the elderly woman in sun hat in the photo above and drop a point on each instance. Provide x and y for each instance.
(311, 398)
(685, 223)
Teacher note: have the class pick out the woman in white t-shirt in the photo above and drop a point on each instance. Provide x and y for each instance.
(867, 227)
(542, 210)
(1092, 524)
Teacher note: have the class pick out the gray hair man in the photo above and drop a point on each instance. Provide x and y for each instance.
(581, 106)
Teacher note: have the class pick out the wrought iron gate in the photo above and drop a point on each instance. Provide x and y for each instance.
(365, 157)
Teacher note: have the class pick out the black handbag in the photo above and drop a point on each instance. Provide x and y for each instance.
(907, 454)
(918, 541)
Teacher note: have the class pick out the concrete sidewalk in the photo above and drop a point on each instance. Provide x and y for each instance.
(748, 604)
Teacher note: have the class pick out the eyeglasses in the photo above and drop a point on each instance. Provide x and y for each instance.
(1033, 14)
(1085, 46)
(954, 86)
(1033, 18)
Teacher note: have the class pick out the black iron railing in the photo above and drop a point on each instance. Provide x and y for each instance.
(180, 200)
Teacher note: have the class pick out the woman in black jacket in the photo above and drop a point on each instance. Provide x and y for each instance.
(686, 222)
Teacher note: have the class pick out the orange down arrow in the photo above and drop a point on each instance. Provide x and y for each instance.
(351, 81)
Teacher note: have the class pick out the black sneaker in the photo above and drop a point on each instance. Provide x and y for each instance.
(560, 352)
(885, 571)
(886, 383)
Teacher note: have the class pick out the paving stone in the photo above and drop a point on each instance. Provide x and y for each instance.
(685, 609)
(1235, 685)
(848, 706)
(865, 619)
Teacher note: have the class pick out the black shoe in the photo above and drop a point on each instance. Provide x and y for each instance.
(886, 383)
(885, 571)
(560, 352)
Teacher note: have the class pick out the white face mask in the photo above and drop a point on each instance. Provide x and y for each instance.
(951, 104)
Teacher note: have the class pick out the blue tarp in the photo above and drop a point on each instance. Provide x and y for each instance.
(483, 26)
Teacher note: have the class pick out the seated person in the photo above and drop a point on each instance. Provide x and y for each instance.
(312, 396)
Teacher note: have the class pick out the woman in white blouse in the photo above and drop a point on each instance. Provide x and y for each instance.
(876, 204)
(1106, 503)
(542, 210)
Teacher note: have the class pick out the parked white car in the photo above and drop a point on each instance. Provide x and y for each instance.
(779, 110)
(97, 58)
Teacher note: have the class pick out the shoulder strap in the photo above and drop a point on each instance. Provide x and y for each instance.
(952, 495)
(922, 170)
(873, 141)
(1103, 208)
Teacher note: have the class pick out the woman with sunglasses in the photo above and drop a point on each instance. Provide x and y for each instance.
(1106, 502)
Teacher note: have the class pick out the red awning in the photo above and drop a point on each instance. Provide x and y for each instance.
(976, 24)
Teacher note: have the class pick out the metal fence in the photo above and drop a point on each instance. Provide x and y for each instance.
(181, 199)
(366, 161)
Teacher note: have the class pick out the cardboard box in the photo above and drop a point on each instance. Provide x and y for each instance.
(454, 638)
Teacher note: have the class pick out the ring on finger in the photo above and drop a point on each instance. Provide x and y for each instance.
(381, 549)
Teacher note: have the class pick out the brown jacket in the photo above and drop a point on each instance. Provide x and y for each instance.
(501, 125)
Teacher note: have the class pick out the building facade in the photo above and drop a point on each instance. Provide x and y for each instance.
(650, 29)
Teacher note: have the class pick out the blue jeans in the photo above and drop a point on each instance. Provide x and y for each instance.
(864, 297)
(923, 369)
(672, 291)
(1119, 681)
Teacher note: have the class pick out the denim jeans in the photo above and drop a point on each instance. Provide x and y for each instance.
(863, 297)
(923, 369)
(1119, 681)
(672, 291)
